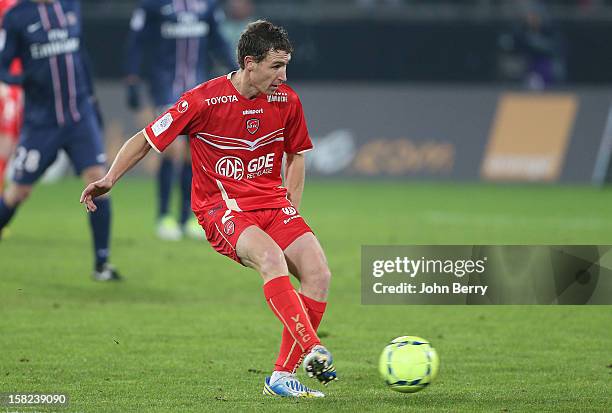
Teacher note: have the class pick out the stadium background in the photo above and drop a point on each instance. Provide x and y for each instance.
(444, 77)
(422, 115)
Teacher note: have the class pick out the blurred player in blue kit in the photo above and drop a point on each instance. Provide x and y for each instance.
(60, 111)
(179, 34)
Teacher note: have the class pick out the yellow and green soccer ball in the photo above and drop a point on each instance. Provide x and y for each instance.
(408, 364)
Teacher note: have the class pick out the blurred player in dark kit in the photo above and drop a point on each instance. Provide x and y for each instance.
(59, 113)
(540, 44)
(179, 35)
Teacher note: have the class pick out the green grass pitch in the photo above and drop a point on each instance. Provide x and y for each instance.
(189, 330)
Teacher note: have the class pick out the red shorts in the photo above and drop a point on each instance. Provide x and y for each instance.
(11, 110)
(223, 227)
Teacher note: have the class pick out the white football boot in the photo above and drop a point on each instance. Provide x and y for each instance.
(319, 364)
(285, 384)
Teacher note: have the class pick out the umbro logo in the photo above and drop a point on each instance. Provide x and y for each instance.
(182, 106)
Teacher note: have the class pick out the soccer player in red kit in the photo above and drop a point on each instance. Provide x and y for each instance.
(11, 109)
(240, 126)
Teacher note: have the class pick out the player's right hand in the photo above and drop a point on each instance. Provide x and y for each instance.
(133, 96)
(93, 190)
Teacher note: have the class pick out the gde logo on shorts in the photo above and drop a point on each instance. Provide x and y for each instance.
(289, 211)
(230, 166)
(292, 212)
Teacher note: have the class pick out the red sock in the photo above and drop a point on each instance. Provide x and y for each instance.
(2, 168)
(290, 356)
(287, 306)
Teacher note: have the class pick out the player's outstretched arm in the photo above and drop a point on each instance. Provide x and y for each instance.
(129, 155)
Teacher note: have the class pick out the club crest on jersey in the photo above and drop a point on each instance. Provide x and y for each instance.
(182, 106)
(252, 125)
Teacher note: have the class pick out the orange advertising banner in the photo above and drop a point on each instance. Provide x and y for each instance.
(529, 137)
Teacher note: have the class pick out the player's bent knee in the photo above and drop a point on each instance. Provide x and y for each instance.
(318, 277)
(326, 276)
(272, 263)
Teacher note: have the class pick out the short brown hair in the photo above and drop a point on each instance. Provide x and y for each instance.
(259, 38)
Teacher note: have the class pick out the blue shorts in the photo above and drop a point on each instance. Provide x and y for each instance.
(38, 147)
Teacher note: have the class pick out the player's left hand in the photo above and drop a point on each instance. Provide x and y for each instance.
(93, 190)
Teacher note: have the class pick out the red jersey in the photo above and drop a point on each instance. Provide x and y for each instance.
(237, 144)
(11, 96)
(11, 110)
(5, 5)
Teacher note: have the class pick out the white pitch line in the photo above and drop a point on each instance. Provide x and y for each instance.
(562, 222)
